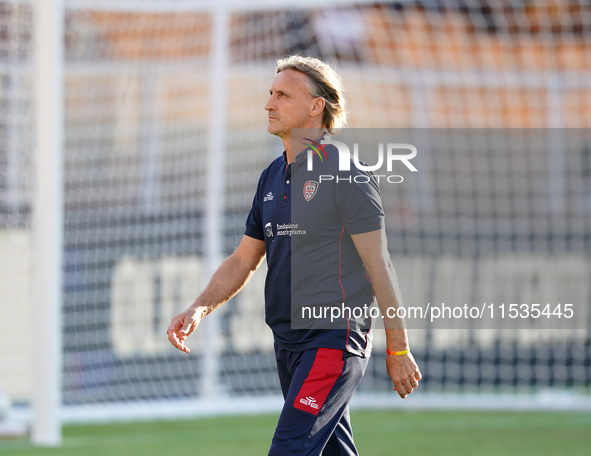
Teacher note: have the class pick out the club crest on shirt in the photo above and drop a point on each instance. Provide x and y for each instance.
(310, 189)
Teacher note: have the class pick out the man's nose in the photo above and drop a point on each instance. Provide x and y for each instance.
(269, 106)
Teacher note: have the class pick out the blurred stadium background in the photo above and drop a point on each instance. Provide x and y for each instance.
(158, 93)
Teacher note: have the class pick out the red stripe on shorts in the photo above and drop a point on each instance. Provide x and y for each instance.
(327, 367)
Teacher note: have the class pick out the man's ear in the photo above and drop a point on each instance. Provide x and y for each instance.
(317, 107)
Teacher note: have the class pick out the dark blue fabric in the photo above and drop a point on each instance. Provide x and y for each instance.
(311, 258)
(329, 433)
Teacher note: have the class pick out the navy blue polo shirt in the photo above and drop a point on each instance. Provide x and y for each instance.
(306, 222)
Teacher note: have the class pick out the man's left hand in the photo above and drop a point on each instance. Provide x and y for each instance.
(404, 372)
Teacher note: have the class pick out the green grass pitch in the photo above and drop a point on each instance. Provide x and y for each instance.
(377, 433)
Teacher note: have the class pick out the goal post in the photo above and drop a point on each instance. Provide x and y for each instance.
(47, 223)
(214, 206)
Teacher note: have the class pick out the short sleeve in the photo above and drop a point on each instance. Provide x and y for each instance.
(360, 202)
(254, 224)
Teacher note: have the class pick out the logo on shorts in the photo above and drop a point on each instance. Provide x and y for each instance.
(269, 230)
(309, 401)
(310, 189)
(268, 197)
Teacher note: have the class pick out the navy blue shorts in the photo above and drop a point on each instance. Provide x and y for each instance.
(317, 385)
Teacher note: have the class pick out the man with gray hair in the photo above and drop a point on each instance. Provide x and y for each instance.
(325, 244)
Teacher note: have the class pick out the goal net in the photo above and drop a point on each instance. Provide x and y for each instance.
(165, 138)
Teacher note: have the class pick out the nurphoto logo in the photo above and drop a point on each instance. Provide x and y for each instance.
(392, 154)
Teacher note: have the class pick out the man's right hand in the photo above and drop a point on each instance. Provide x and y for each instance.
(182, 326)
(228, 280)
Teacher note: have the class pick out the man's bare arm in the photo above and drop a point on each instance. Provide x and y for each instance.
(373, 250)
(228, 280)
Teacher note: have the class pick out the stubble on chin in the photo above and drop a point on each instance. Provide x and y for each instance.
(274, 129)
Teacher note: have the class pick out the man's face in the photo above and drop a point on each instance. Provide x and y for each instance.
(290, 104)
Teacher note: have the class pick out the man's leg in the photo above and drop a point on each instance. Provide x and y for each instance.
(341, 440)
(317, 400)
(285, 360)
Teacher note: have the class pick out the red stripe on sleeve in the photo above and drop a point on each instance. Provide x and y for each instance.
(326, 369)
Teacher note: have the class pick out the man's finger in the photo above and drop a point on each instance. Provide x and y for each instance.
(406, 383)
(182, 347)
(171, 334)
(174, 340)
(408, 386)
(401, 392)
(172, 326)
(186, 328)
(399, 387)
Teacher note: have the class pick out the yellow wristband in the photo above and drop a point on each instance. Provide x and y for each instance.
(398, 353)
